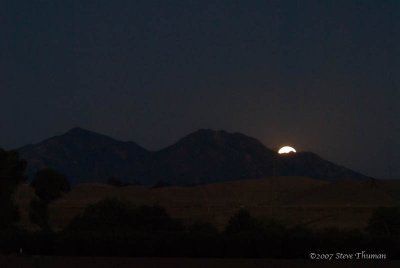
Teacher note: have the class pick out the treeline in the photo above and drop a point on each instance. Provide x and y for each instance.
(116, 228)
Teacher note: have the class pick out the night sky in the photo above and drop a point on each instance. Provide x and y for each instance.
(322, 76)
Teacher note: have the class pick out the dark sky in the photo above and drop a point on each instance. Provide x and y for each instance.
(322, 76)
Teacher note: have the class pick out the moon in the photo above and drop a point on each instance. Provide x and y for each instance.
(286, 150)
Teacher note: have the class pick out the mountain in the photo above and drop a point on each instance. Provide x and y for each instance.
(311, 165)
(205, 156)
(85, 156)
(211, 156)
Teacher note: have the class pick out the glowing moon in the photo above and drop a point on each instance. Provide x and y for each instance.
(286, 150)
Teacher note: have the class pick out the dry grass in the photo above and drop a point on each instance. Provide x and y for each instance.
(291, 200)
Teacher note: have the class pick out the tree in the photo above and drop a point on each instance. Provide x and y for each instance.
(242, 221)
(38, 213)
(202, 229)
(49, 185)
(115, 216)
(12, 172)
(385, 221)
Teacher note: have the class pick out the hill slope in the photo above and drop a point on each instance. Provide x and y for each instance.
(311, 165)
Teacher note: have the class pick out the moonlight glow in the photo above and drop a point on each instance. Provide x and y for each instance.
(286, 150)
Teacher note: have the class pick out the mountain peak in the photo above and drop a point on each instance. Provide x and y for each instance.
(208, 131)
(206, 136)
(83, 155)
(78, 130)
(212, 133)
(81, 133)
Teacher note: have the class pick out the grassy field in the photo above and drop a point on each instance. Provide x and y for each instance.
(291, 200)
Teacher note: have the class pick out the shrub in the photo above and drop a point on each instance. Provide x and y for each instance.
(113, 216)
(385, 221)
(242, 221)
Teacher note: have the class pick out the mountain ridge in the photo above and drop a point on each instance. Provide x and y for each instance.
(201, 157)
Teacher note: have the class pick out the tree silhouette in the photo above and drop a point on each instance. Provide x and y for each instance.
(115, 216)
(49, 185)
(242, 221)
(12, 172)
(385, 221)
(203, 229)
(38, 213)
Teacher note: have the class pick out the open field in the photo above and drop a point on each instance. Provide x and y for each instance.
(291, 200)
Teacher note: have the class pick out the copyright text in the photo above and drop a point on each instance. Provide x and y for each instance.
(362, 255)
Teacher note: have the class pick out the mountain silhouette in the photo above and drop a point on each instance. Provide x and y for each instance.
(205, 156)
(85, 156)
(212, 156)
(311, 165)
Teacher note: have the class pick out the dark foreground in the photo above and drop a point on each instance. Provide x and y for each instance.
(12, 261)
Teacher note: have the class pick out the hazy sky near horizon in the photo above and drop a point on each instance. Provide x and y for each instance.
(322, 76)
